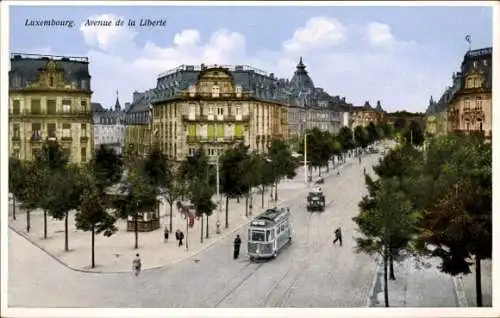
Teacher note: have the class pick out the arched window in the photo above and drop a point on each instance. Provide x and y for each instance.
(215, 91)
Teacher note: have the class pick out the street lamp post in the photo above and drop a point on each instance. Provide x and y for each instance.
(305, 157)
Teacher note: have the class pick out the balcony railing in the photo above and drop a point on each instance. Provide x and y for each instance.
(71, 113)
(196, 95)
(84, 140)
(216, 118)
(199, 139)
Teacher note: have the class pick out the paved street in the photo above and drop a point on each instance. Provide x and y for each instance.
(309, 273)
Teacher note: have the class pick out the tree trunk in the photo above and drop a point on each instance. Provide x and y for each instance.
(187, 232)
(66, 230)
(391, 266)
(206, 230)
(386, 283)
(479, 292)
(136, 231)
(238, 199)
(28, 223)
(44, 224)
(201, 229)
(92, 247)
(14, 207)
(246, 205)
(171, 217)
(263, 190)
(227, 211)
(276, 191)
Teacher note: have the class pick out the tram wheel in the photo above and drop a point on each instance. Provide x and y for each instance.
(275, 254)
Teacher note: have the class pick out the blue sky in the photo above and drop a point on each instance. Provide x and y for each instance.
(398, 55)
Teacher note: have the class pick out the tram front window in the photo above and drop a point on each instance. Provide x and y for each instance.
(258, 236)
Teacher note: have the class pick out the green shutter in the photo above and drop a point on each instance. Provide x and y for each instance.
(211, 131)
(220, 131)
(238, 131)
(192, 130)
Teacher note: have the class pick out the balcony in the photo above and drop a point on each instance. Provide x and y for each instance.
(36, 140)
(15, 138)
(223, 96)
(216, 118)
(213, 140)
(60, 114)
(66, 139)
(84, 140)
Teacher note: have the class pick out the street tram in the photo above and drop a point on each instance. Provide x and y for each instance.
(269, 233)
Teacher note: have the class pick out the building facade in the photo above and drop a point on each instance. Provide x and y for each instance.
(470, 107)
(109, 126)
(364, 115)
(215, 112)
(138, 120)
(49, 99)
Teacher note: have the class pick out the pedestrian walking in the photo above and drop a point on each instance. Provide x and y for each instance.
(136, 265)
(237, 244)
(338, 236)
(181, 237)
(359, 159)
(165, 234)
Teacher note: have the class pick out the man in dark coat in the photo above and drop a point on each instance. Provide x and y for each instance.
(181, 237)
(237, 243)
(338, 236)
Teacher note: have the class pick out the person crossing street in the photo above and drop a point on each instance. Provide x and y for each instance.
(338, 236)
(237, 244)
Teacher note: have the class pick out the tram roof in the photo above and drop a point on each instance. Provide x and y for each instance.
(269, 217)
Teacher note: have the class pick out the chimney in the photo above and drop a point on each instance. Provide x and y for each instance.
(203, 66)
(136, 96)
(343, 99)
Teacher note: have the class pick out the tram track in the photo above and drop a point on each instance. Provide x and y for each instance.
(295, 272)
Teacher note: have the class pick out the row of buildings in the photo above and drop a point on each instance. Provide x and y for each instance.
(466, 105)
(214, 106)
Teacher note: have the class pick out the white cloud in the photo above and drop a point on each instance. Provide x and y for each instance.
(397, 80)
(107, 38)
(318, 32)
(380, 35)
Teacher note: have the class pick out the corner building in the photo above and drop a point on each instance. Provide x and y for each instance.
(216, 112)
(49, 99)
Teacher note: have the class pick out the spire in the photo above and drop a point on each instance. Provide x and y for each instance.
(301, 65)
(117, 104)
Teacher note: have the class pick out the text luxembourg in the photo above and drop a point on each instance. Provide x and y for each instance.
(51, 22)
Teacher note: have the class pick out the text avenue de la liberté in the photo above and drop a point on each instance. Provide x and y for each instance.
(97, 23)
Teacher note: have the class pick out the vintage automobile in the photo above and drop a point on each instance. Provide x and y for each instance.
(315, 201)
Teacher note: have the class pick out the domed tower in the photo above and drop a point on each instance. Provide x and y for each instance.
(301, 80)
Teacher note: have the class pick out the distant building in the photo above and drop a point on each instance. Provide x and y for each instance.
(215, 112)
(364, 115)
(109, 126)
(470, 107)
(49, 99)
(138, 120)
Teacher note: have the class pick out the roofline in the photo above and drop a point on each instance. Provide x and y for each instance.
(80, 59)
(202, 67)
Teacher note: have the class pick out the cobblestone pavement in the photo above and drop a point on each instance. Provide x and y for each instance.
(311, 272)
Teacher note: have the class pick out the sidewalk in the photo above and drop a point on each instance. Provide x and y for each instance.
(416, 285)
(467, 285)
(113, 254)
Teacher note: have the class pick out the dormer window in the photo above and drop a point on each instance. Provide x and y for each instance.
(192, 90)
(474, 64)
(485, 62)
(215, 91)
(239, 90)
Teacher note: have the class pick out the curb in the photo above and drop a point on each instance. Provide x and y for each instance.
(371, 291)
(459, 291)
(210, 244)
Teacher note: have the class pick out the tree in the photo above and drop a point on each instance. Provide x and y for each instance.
(92, 216)
(174, 191)
(136, 196)
(67, 187)
(201, 197)
(49, 160)
(345, 138)
(16, 177)
(385, 218)
(29, 189)
(457, 225)
(282, 163)
(361, 137)
(372, 131)
(231, 174)
(414, 135)
(315, 147)
(106, 167)
(251, 168)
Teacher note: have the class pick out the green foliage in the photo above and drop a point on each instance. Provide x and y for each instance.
(400, 124)
(16, 177)
(282, 162)
(29, 185)
(345, 138)
(51, 156)
(92, 214)
(231, 171)
(106, 167)
(201, 197)
(156, 169)
(414, 135)
(372, 132)
(361, 137)
(137, 195)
